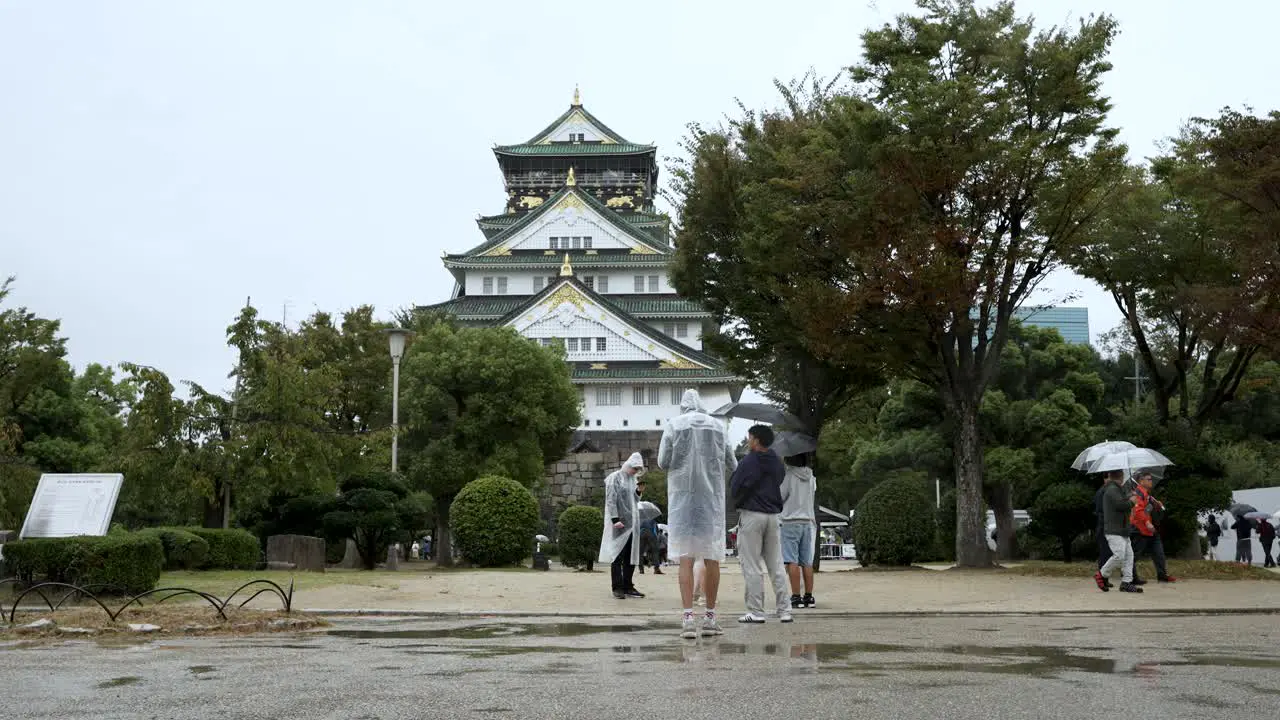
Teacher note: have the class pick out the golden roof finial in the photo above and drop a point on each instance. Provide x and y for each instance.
(577, 99)
(570, 181)
(566, 270)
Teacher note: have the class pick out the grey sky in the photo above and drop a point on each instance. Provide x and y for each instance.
(160, 161)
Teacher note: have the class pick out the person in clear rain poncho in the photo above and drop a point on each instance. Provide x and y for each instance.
(696, 454)
(620, 538)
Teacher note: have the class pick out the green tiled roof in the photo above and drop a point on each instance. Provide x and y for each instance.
(555, 261)
(575, 149)
(650, 373)
(496, 306)
(613, 217)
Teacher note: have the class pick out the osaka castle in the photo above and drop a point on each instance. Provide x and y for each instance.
(580, 257)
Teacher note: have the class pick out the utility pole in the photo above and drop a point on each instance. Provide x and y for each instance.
(1136, 378)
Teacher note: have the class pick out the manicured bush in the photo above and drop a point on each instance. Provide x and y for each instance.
(229, 549)
(493, 520)
(1062, 512)
(183, 550)
(125, 563)
(579, 540)
(894, 522)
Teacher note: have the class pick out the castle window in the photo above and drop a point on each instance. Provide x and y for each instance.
(573, 344)
(608, 397)
(502, 286)
(601, 344)
(577, 242)
(653, 283)
(602, 284)
(639, 283)
(589, 281)
(682, 330)
(555, 243)
(488, 286)
(585, 344)
(646, 395)
(676, 394)
(538, 283)
(586, 242)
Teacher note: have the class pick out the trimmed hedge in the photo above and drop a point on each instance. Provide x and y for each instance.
(128, 563)
(183, 549)
(894, 523)
(579, 540)
(494, 520)
(229, 549)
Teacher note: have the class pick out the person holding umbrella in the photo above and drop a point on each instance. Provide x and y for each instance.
(1244, 539)
(1116, 506)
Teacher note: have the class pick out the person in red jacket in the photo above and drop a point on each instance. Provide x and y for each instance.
(1147, 511)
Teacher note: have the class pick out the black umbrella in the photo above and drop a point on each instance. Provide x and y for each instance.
(759, 412)
(1241, 508)
(787, 443)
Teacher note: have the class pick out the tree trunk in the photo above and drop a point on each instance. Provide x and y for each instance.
(443, 543)
(213, 509)
(1066, 541)
(971, 541)
(1001, 501)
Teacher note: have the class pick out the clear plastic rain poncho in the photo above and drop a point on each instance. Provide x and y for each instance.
(620, 501)
(696, 454)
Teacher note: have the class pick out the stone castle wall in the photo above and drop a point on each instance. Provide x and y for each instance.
(578, 478)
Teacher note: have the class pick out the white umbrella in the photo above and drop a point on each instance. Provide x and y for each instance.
(648, 511)
(1092, 454)
(1132, 460)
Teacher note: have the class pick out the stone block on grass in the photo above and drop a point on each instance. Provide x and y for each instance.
(302, 551)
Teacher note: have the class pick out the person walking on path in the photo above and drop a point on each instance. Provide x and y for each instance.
(1212, 533)
(1266, 536)
(1099, 533)
(1147, 513)
(756, 488)
(798, 488)
(1116, 506)
(696, 455)
(1244, 540)
(619, 541)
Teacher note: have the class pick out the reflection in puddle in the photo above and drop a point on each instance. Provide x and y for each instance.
(491, 630)
(119, 682)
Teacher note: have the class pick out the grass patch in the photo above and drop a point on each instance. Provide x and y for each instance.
(1182, 569)
(177, 619)
(223, 582)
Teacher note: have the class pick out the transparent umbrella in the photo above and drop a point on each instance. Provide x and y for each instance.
(1092, 454)
(648, 511)
(759, 412)
(787, 443)
(1131, 462)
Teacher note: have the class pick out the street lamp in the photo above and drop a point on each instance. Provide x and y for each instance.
(397, 337)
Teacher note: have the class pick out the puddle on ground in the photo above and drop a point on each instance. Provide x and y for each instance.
(491, 630)
(119, 682)
(201, 669)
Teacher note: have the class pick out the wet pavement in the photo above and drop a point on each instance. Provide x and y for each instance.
(974, 667)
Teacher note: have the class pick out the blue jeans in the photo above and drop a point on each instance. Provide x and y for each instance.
(797, 543)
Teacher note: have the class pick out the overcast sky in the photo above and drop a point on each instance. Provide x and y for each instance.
(162, 161)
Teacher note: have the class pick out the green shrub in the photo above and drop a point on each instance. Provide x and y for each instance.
(229, 549)
(128, 563)
(493, 521)
(944, 544)
(1061, 512)
(894, 522)
(183, 550)
(579, 540)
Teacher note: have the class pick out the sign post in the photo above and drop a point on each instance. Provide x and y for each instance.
(66, 505)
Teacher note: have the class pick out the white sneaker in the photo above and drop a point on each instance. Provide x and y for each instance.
(785, 616)
(752, 619)
(711, 627)
(689, 629)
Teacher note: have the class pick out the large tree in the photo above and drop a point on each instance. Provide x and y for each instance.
(481, 402)
(919, 210)
(1189, 249)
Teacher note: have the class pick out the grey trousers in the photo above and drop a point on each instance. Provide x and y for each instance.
(760, 551)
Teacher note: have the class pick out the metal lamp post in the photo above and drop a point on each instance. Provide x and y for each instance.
(397, 337)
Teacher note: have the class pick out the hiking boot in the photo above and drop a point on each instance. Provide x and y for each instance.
(1167, 579)
(689, 629)
(633, 593)
(796, 601)
(1103, 584)
(752, 619)
(711, 627)
(1129, 587)
(809, 602)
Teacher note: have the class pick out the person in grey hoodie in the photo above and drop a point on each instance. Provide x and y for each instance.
(798, 488)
